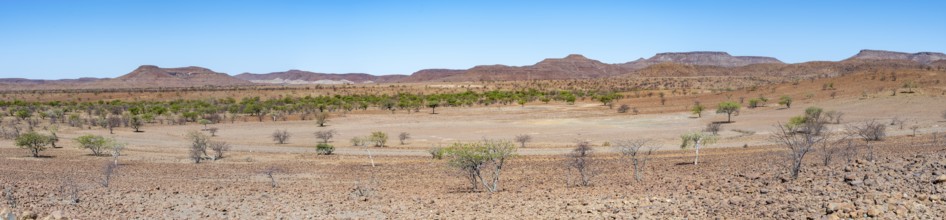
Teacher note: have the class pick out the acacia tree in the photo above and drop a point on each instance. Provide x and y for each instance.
(94, 143)
(403, 137)
(698, 109)
(481, 162)
(379, 138)
(728, 108)
(638, 152)
(199, 144)
(321, 118)
(136, 123)
(32, 141)
(797, 143)
(522, 139)
(696, 139)
(582, 161)
(785, 100)
(869, 131)
(280, 136)
(326, 135)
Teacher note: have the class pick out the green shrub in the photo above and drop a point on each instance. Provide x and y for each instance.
(436, 152)
(324, 149)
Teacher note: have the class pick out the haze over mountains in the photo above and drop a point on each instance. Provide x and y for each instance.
(700, 63)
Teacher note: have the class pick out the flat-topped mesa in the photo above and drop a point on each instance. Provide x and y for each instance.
(294, 76)
(920, 57)
(702, 58)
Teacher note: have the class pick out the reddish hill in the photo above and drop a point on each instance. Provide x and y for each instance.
(571, 67)
(153, 76)
(431, 75)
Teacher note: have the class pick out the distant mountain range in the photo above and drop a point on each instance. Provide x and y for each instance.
(700, 63)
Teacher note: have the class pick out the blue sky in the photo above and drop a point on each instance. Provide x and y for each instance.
(70, 39)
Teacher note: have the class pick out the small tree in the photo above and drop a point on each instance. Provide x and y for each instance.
(94, 143)
(281, 136)
(379, 138)
(713, 128)
(116, 148)
(869, 131)
(204, 122)
(326, 135)
(271, 172)
(696, 139)
(321, 118)
(797, 143)
(698, 109)
(728, 108)
(786, 101)
(136, 123)
(433, 104)
(624, 108)
(199, 144)
(638, 152)
(481, 161)
(403, 136)
(324, 149)
(212, 131)
(219, 148)
(523, 139)
(32, 141)
(107, 171)
(582, 161)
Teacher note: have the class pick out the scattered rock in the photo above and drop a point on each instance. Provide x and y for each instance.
(940, 179)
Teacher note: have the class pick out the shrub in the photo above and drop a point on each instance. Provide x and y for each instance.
(281, 136)
(482, 162)
(437, 152)
(379, 138)
(324, 149)
(94, 143)
(219, 148)
(34, 142)
(624, 108)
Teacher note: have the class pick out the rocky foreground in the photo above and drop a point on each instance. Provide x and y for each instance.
(907, 179)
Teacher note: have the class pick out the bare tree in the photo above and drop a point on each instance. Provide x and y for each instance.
(212, 131)
(403, 136)
(713, 128)
(117, 148)
(833, 116)
(281, 136)
(869, 131)
(270, 172)
(107, 171)
(896, 120)
(325, 135)
(523, 139)
(799, 144)
(199, 143)
(638, 152)
(321, 118)
(219, 148)
(914, 128)
(582, 161)
(624, 108)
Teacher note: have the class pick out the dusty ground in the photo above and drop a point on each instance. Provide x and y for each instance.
(155, 179)
(729, 183)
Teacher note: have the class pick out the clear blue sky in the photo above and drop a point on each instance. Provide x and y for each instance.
(70, 39)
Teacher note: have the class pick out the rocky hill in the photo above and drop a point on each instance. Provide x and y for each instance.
(571, 67)
(701, 58)
(153, 76)
(921, 57)
(431, 75)
(306, 77)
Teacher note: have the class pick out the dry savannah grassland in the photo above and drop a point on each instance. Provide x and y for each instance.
(746, 173)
